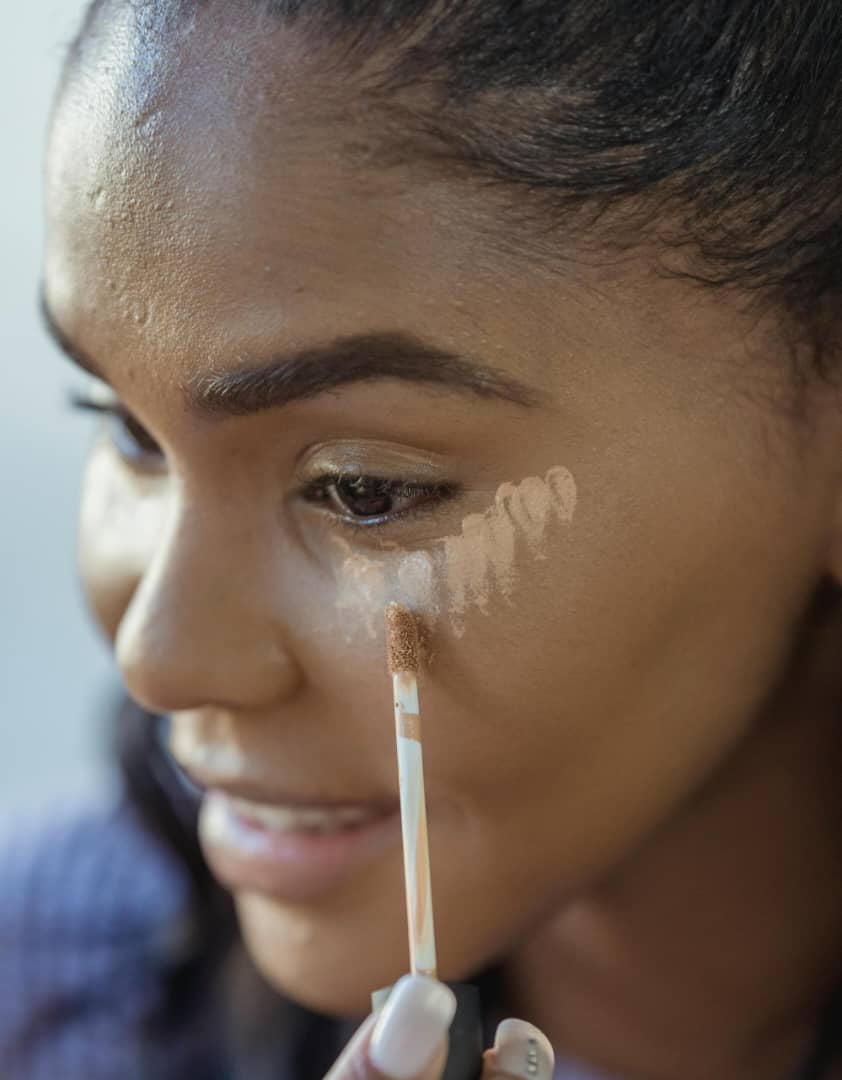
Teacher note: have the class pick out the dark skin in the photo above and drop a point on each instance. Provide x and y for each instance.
(664, 889)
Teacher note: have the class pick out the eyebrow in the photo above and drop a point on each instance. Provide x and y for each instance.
(305, 373)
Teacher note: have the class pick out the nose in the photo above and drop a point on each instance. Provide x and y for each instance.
(202, 627)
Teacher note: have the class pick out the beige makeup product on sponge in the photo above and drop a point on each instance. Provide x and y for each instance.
(464, 1061)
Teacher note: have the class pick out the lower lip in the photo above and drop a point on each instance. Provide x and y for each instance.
(290, 866)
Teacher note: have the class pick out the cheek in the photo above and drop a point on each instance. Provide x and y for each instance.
(587, 706)
(121, 522)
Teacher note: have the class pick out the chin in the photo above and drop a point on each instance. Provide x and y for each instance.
(332, 957)
(329, 959)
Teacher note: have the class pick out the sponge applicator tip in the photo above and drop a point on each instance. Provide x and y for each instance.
(401, 639)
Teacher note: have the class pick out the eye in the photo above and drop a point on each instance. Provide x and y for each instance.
(130, 438)
(374, 500)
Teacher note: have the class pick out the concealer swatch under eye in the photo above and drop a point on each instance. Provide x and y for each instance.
(458, 572)
(365, 586)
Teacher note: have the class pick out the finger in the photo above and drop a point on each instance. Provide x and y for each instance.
(406, 1040)
(520, 1050)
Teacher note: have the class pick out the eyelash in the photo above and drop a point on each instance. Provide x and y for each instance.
(131, 439)
(429, 497)
(323, 490)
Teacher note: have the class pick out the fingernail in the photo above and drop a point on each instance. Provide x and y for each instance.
(523, 1050)
(411, 1026)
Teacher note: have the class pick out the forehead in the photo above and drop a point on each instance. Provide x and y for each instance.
(215, 195)
(208, 198)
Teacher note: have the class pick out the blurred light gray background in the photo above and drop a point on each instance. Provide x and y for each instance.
(56, 679)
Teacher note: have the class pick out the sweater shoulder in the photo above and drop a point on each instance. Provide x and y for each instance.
(94, 877)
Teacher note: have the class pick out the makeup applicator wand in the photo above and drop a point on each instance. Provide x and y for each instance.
(464, 1061)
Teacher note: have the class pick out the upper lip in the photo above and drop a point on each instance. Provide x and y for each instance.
(252, 790)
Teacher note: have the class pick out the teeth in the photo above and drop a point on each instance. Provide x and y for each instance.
(288, 818)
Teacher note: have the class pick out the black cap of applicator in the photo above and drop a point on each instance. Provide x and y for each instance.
(464, 1058)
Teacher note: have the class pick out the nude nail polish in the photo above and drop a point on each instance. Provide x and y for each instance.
(412, 1025)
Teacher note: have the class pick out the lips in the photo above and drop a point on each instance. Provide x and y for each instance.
(296, 850)
(317, 819)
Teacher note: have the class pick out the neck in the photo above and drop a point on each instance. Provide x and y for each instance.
(712, 951)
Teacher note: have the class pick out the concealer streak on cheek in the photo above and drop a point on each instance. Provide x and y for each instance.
(481, 563)
(360, 588)
(460, 572)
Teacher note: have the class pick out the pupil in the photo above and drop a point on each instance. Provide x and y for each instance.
(365, 497)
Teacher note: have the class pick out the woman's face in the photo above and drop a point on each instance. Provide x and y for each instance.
(607, 540)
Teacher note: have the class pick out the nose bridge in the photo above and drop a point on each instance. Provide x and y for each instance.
(203, 625)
